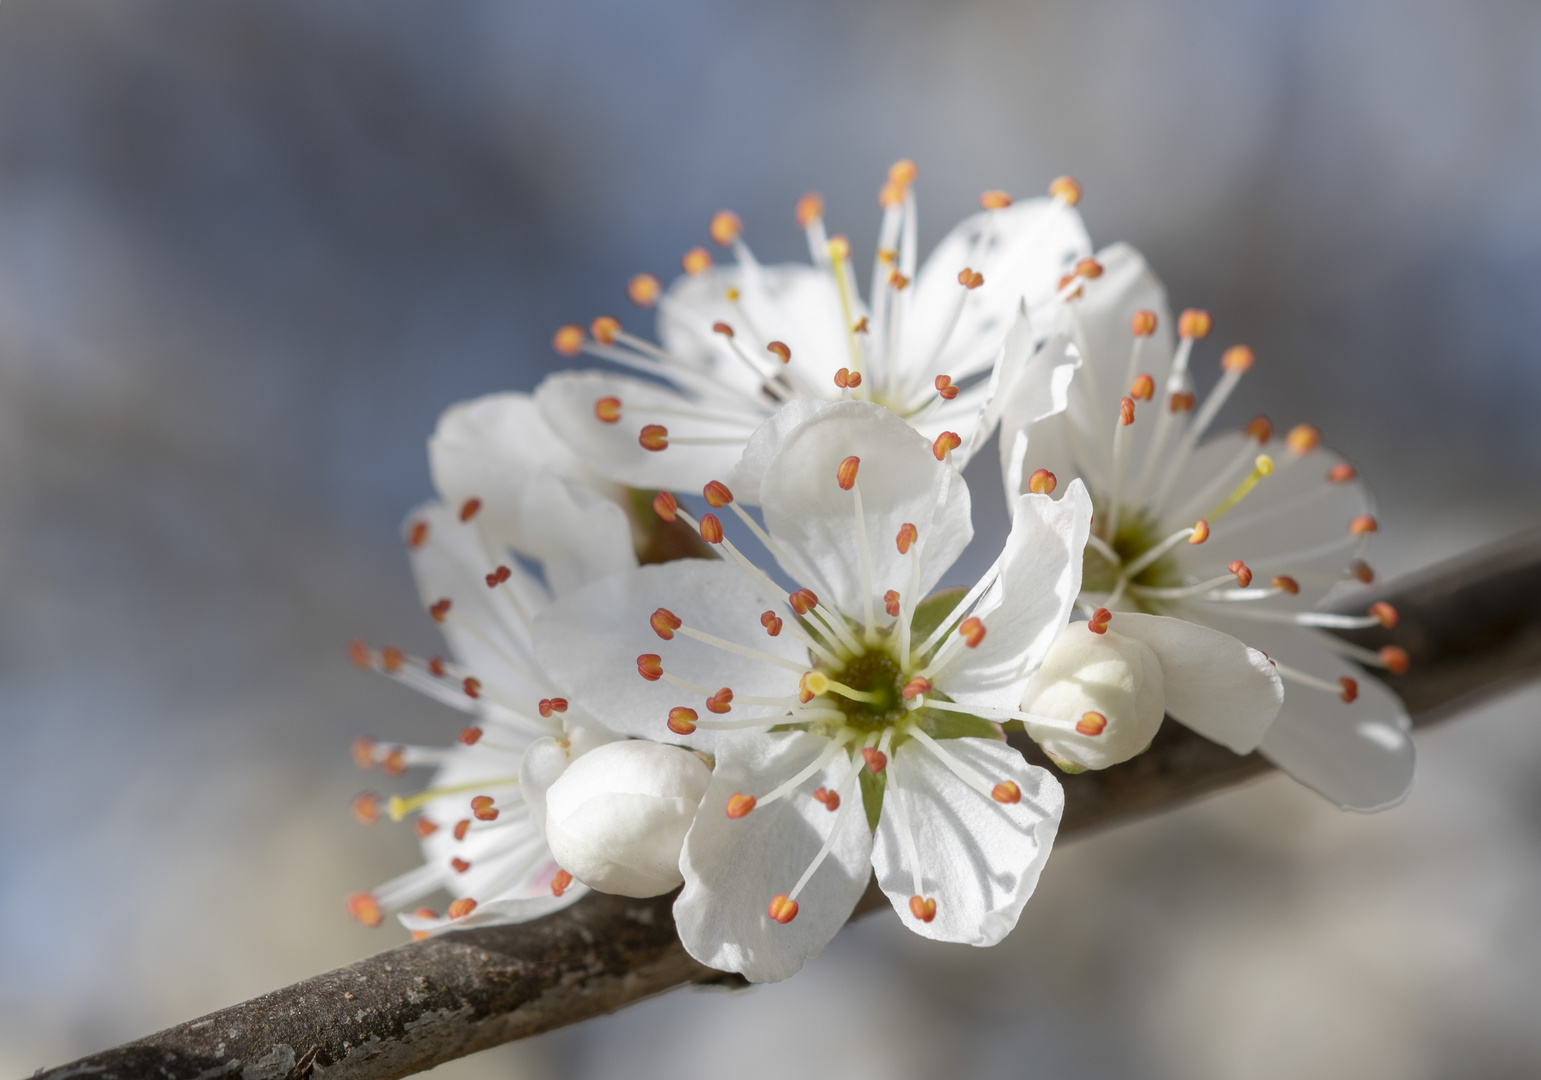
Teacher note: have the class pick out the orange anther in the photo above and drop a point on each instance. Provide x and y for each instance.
(923, 908)
(366, 808)
(1065, 189)
(945, 388)
(696, 261)
(717, 494)
(891, 601)
(945, 443)
(1182, 401)
(395, 762)
(1395, 658)
(364, 752)
(853, 380)
(682, 720)
(459, 909)
(1285, 583)
(654, 437)
(903, 172)
(722, 328)
(650, 666)
(1243, 574)
(970, 279)
(547, 706)
(1360, 571)
(915, 687)
(1090, 269)
(607, 410)
(876, 760)
(472, 686)
(439, 609)
(830, 799)
(1237, 358)
(1143, 324)
(843, 378)
(1098, 623)
(644, 290)
(359, 653)
(720, 702)
(897, 280)
(781, 350)
(423, 913)
(1200, 532)
(471, 736)
(1091, 723)
(1260, 428)
(1194, 323)
(604, 329)
(1350, 688)
(839, 248)
(1384, 614)
(1143, 388)
(482, 807)
(908, 534)
(665, 505)
(1125, 411)
(560, 881)
(1341, 473)
(972, 631)
(664, 622)
(845, 475)
(711, 529)
(803, 601)
(498, 577)
(364, 908)
(436, 666)
(1302, 439)
(392, 659)
(568, 340)
(890, 196)
(1042, 482)
(809, 209)
(417, 533)
(771, 621)
(995, 200)
(725, 227)
(425, 828)
(782, 909)
(460, 865)
(1364, 523)
(740, 804)
(1006, 792)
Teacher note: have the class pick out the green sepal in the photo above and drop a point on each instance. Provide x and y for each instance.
(951, 725)
(872, 787)
(933, 610)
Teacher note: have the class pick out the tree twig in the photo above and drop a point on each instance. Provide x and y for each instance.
(1472, 627)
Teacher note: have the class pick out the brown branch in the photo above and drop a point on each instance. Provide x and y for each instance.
(1472, 627)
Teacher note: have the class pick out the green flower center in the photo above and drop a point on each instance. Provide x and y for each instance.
(874, 672)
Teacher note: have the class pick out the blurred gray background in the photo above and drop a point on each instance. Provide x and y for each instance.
(248, 251)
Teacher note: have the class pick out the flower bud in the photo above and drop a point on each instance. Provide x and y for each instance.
(616, 819)
(1115, 679)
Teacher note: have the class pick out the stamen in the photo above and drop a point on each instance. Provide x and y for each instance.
(654, 437)
(568, 340)
(470, 736)
(1341, 473)
(739, 805)
(548, 706)
(364, 908)
(994, 200)
(439, 609)
(1098, 623)
(915, 687)
(781, 351)
(845, 475)
(945, 443)
(972, 630)
(1361, 572)
(876, 760)
(459, 909)
(1144, 387)
(1395, 658)
(666, 506)
(782, 909)
(725, 227)
(1302, 439)
(891, 602)
(907, 536)
(398, 807)
(607, 410)
(1243, 575)
(1006, 792)
(605, 329)
(944, 387)
(771, 621)
(1194, 324)
(1091, 723)
(1285, 583)
(682, 721)
(720, 702)
(650, 666)
(1364, 523)
(1042, 482)
(711, 529)
(1066, 190)
(560, 881)
(809, 209)
(366, 808)
(664, 622)
(1384, 614)
(717, 494)
(970, 279)
(830, 799)
(1261, 467)
(482, 808)
(644, 290)
(696, 261)
(923, 908)
(1143, 324)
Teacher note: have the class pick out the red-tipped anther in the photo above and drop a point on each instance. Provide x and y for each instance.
(972, 631)
(923, 908)
(459, 909)
(568, 340)
(853, 380)
(803, 601)
(1360, 571)
(547, 706)
(809, 209)
(1098, 623)
(902, 173)
(945, 388)
(1243, 574)
(1350, 688)
(1200, 532)
(364, 752)
(1143, 324)
(461, 828)
(395, 762)
(970, 279)
(682, 720)
(1260, 428)
(782, 909)
(392, 659)
(897, 280)
(1237, 358)
(740, 804)
(781, 351)
(423, 913)
(1091, 723)
(830, 799)
(1042, 482)
(1364, 523)
(995, 200)
(436, 666)
(711, 529)
(945, 443)
(471, 735)
(725, 227)
(1395, 658)
(1088, 268)
(366, 808)
(1384, 613)
(664, 623)
(460, 865)
(482, 807)
(439, 609)
(498, 577)
(1125, 411)
(915, 687)
(1302, 439)
(843, 378)
(1006, 792)
(1285, 583)
(666, 506)
(365, 909)
(605, 328)
(891, 601)
(425, 828)
(1180, 402)
(696, 261)
(417, 534)
(644, 290)
(845, 475)
(1143, 388)
(1065, 189)
(1194, 323)
(720, 702)
(472, 686)
(650, 665)
(607, 410)
(560, 882)
(717, 494)
(771, 621)
(908, 534)
(654, 437)
(876, 760)
(359, 653)
(1341, 473)
(722, 328)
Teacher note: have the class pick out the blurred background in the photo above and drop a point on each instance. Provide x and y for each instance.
(249, 250)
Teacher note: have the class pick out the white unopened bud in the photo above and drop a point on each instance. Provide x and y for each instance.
(1102, 697)
(617, 818)
(547, 759)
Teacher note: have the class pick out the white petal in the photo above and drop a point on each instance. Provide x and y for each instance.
(589, 643)
(979, 858)
(1214, 684)
(766, 443)
(1038, 389)
(901, 481)
(576, 534)
(1109, 673)
(1029, 605)
(498, 912)
(734, 867)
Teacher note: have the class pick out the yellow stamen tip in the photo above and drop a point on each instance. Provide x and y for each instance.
(397, 808)
(1264, 465)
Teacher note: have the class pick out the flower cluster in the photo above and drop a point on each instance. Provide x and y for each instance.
(764, 693)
